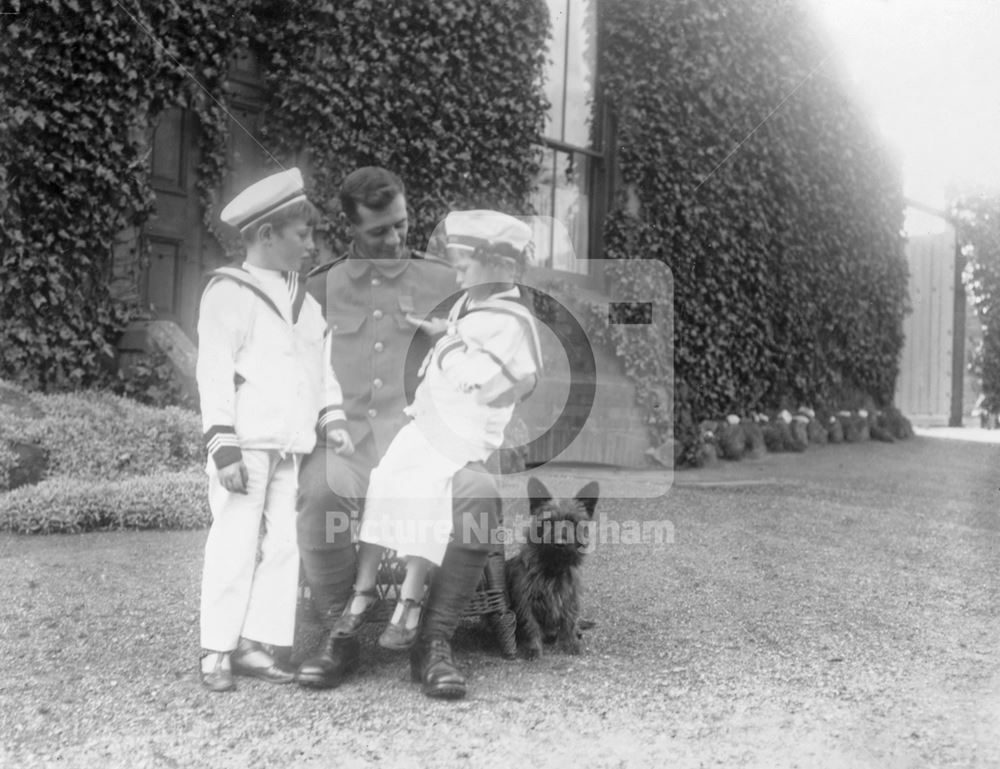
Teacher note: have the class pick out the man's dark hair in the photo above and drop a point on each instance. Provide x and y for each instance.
(372, 187)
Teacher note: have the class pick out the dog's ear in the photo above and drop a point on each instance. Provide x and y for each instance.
(537, 493)
(587, 496)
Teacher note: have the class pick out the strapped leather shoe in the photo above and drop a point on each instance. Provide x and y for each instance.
(256, 660)
(431, 664)
(326, 670)
(348, 624)
(220, 677)
(397, 635)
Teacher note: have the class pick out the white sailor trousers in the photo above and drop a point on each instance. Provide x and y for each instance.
(242, 595)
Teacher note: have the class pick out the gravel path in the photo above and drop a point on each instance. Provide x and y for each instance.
(833, 609)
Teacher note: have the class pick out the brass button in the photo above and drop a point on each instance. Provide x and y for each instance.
(376, 383)
(376, 282)
(377, 314)
(379, 347)
(372, 413)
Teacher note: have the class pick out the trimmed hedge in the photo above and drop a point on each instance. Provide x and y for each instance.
(8, 460)
(98, 435)
(63, 505)
(112, 464)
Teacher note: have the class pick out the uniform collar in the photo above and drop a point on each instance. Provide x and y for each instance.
(358, 266)
(508, 293)
(262, 273)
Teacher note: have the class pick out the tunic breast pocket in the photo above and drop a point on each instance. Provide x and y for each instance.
(346, 325)
(349, 346)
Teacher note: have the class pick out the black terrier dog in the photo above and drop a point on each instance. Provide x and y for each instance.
(544, 578)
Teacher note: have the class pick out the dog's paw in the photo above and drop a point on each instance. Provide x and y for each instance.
(572, 646)
(533, 650)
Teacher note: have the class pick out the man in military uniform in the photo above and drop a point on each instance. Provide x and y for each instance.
(376, 299)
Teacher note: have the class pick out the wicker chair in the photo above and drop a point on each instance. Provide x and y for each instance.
(490, 602)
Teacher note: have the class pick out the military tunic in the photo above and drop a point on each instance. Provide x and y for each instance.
(376, 354)
(374, 349)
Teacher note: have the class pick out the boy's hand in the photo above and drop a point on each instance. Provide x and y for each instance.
(341, 441)
(234, 477)
(501, 393)
(503, 400)
(432, 326)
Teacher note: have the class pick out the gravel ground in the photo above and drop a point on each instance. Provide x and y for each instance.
(833, 609)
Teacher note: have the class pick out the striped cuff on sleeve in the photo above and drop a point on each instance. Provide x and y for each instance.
(223, 446)
(332, 418)
(454, 345)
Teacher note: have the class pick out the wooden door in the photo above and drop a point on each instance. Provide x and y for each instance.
(173, 237)
(178, 246)
(924, 387)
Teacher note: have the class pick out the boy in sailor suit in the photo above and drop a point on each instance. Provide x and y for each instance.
(488, 358)
(265, 385)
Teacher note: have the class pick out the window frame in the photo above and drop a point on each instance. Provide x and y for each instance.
(597, 185)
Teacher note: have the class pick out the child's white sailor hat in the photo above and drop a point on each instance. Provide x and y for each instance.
(264, 198)
(492, 232)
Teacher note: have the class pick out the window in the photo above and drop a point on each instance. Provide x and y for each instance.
(563, 198)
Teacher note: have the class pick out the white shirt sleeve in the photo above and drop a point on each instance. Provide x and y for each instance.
(223, 323)
(496, 357)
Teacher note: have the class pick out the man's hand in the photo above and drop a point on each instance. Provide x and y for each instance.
(341, 441)
(234, 477)
(432, 326)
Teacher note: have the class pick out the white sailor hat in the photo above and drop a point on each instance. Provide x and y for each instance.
(264, 198)
(489, 231)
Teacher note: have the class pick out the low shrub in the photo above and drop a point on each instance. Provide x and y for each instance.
(175, 500)
(8, 460)
(100, 435)
(151, 379)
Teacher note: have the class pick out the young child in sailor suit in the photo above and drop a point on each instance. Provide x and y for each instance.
(488, 358)
(265, 386)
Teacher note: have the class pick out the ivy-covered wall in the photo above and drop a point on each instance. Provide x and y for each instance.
(765, 191)
(740, 162)
(443, 91)
(84, 81)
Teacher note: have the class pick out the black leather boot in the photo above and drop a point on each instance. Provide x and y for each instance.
(330, 576)
(432, 666)
(338, 658)
(452, 586)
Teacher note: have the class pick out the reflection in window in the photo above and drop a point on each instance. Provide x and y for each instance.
(562, 197)
(571, 71)
(562, 204)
